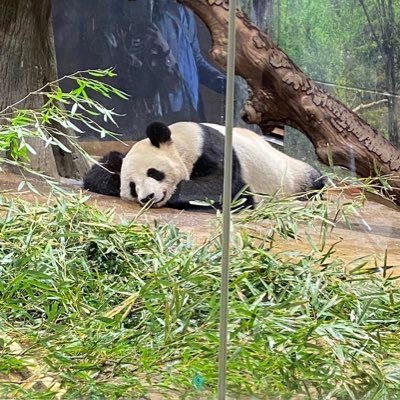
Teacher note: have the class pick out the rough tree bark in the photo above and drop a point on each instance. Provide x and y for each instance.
(27, 63)
(282, 94)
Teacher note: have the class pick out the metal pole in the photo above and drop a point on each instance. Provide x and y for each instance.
(227, 199)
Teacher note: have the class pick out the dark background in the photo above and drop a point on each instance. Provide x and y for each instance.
(95, 34)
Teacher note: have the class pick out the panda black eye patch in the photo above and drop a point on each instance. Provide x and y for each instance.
(155, 174)
(133, 189)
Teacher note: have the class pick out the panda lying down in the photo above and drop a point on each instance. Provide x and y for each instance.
(183, 162)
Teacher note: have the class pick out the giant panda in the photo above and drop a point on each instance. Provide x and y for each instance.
(183, 162)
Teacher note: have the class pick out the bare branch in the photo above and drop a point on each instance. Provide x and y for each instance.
(369, 105)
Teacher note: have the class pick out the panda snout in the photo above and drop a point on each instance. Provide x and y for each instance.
(146, 199)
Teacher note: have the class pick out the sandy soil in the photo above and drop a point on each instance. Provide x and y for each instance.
(374, 231)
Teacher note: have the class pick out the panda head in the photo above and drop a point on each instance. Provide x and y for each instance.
(153, 168)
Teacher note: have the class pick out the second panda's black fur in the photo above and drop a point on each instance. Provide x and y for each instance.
(105, 178)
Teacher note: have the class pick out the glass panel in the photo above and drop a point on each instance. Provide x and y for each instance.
(295, 317)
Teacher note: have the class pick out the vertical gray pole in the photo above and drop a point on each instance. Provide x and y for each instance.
(227, 195)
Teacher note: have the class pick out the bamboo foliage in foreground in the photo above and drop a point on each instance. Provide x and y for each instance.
(121, 310)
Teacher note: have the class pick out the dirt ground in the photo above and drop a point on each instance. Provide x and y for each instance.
(374, 231)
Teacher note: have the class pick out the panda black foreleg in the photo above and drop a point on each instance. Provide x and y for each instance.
(206, 188)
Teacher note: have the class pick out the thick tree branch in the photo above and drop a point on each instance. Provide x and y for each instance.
(283, 94)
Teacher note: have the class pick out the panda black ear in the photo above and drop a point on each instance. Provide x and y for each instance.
(158, 133)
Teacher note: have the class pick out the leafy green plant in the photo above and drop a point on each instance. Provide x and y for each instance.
(10, 363)
(61, 111)
(120, 311)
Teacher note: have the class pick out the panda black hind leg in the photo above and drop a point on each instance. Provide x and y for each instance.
(105, 178)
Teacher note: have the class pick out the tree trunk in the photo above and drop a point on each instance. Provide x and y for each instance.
(27, 63)
(264, 12)
(282, 94)
(389, 39)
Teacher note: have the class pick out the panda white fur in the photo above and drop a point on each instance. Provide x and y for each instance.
(183, 162)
